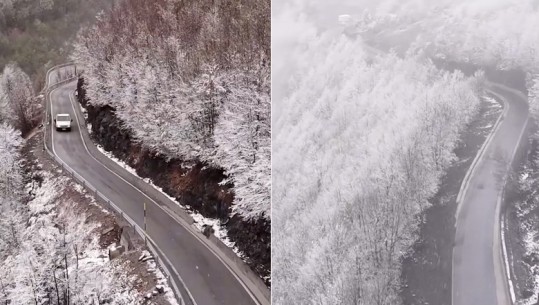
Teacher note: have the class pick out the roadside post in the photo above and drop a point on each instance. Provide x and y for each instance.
(145, 239)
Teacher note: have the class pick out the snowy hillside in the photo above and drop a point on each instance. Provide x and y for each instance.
(356, 157)
(360, 142)
(187, 89)
(48, 250)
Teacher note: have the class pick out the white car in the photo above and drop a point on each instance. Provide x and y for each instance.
(63, 121)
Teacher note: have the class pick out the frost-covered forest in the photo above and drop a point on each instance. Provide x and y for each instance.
(18, 104)
(361, 138)
(50, 250)
(191, 80)
(350, 178)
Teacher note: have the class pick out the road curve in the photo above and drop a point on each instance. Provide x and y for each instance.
(207, 279)
(479, 276)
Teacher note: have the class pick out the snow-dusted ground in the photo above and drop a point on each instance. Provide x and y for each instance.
(161, 279)
(91, 274)
(219, 230)
(525, 250)
(530, 238)
(531, 245)
(79, 188)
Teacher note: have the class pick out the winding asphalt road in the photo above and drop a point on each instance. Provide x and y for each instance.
(479, 268)
(479, 276)
(207, 279)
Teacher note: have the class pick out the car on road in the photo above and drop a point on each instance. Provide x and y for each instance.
(62, 121)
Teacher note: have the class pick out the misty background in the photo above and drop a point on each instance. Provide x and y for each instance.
(364, 127)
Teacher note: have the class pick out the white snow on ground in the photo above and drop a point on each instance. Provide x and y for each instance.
(493, 106)
(530, 240)
(83, 110)
(507, 265)
(93, 273)
(89, 126)
(492, 101)
(161, 279)
(45, 195)
(118, 161)
(79, 188)
(219, 230)
(524, 176)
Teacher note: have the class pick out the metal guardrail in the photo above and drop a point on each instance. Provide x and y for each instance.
(154, 250)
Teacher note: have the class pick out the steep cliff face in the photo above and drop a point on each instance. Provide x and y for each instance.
(195, 186)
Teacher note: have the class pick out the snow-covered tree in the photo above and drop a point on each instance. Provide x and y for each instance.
(12, 216)
(358, 152)
(196, 91)
(19, 105)
(242, 136)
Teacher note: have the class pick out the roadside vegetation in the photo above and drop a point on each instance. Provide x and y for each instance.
(52, 246)
(46, 249)
(180, 91)
(524, 212)
(359, 151)
(33, 37)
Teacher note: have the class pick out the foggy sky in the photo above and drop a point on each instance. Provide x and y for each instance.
(296, 23)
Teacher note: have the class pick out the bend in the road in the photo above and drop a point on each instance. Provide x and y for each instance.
(478, 265)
